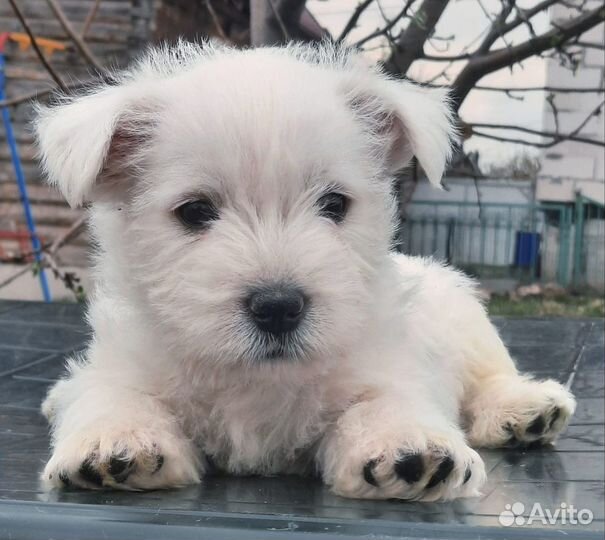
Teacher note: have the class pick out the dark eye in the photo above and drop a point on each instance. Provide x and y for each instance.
(197, 214)
(333, 206)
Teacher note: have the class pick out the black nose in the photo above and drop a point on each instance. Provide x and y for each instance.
(276, 309)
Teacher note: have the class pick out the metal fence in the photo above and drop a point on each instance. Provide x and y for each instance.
(562, 243)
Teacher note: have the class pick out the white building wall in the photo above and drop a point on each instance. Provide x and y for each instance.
(570, 166)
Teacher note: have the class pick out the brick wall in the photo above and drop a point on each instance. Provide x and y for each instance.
(119, 31)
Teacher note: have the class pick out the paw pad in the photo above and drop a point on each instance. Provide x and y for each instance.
(541, 429)
(410, 468)
(418, 471)
(115, 470)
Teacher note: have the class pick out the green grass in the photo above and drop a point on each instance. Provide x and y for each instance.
(568, 305)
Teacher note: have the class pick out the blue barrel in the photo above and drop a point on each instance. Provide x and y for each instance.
(527, 249)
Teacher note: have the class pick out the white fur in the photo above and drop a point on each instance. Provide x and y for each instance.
(396, 355)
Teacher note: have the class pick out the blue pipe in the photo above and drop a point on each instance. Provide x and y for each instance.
(29, 218)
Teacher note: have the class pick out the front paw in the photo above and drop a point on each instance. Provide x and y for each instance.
(519, 411)
(122, 460)
(427, 469)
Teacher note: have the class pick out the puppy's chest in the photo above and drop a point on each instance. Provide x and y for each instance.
(258, 428)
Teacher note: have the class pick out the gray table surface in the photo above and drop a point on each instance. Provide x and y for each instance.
(35, 338)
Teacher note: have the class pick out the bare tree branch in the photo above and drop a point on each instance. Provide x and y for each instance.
(90, 18)
(497, 29)
(82, 48)
(556, 136)
(503, 27)
(533, 143)
(47, 254)
(410, 44)
(39, 53)
(280, 21)
(269, 18)
(352, 22)
(215, 20)
(587, 45)
(555, 89)
(73, 232)
(550, 99)
(481, 65)
(444, 58)
(387, 28)
(42, 93)
(16, 275)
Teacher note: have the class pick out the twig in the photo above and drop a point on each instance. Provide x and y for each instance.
(557, 137)
(453, 58)
(524, 142)
(477, 68)
(70, 279)
(76, 228)
(442, 73)
(82, 48)
(47, 254)
(352, 22)
(38, 94)
(587, 45)
(89, 18)
(16, 275)
(24, 97)
(39, 53)
(385, 30)
(595, 112)
(446, 41)
(550, 99)
(52, 247)
(496, 29)
(279, 20)
(504, 28)
(541, 89)
(215, 20)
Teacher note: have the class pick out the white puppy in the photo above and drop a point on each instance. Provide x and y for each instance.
(249, 311)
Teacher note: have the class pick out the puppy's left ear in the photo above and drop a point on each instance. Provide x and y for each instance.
(406, 120)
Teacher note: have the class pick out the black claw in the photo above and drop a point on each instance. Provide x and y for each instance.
(117, 465)
(467, 475)
(64, 479)
(89, 473)
(368, 472)
(211, 466)
(410, 468)
(537, 426)
(443, 471)
(555, 416)
(120, 468)
(159, 462)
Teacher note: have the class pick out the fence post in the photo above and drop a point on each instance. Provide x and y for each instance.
(563, 263)
(578, 239)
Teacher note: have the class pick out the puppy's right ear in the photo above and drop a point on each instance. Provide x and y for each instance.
(92, 140)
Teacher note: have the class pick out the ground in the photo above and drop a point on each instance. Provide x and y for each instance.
(561, 305)
(35, 339)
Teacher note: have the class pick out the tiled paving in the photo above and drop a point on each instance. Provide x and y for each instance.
(35, 338)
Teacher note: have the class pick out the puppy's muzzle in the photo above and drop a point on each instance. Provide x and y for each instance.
(276, 309)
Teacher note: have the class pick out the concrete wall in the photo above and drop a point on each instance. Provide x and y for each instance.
(571, 166)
